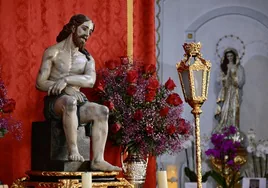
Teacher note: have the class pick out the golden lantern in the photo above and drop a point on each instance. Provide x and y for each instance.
(194, 73)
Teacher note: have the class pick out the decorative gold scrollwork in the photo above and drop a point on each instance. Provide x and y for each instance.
(69, 183)
(19, 183)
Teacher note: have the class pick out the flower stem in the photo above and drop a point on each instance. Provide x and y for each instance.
(265, 172)
(187, 158)
(260, 163)
(254, 165)
(222, 163)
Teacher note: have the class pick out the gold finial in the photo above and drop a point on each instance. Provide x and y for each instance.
(192, 49)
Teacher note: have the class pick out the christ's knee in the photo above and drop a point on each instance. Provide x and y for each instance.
(101, 120)
(102, 113)
(71, 105)
(104, 110)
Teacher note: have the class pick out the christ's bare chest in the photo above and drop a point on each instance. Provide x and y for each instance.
(67, 63)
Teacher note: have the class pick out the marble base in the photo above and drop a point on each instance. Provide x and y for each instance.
(49, 148)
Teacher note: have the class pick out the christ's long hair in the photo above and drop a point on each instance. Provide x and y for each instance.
(75, 21)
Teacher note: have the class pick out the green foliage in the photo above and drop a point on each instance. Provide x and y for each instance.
(219, 179)
(222, 181)
(193, 177)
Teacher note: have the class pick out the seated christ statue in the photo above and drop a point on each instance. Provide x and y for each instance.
(66, 67)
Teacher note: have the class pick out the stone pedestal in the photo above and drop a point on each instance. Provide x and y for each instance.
(49, 148)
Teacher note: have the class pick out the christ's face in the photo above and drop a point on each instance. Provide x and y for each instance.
(82, 33)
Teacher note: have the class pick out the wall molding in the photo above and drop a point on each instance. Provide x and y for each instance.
(159, 24)
(223, 11)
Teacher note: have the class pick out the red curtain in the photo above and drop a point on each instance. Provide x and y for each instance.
(28, 27)
(144, 49)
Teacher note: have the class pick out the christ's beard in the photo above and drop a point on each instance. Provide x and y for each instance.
(78, 41)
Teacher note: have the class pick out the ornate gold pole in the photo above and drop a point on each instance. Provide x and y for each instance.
(130, 29)
(196, 112)
(194, 73)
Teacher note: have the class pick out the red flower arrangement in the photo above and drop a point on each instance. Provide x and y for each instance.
(7, 106)
(145, 116)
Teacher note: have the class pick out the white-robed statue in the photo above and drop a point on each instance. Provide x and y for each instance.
(231, 80)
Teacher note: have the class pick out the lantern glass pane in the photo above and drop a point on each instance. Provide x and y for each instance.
(207, 80)
(192, 60)
(198, 81)
(186, 83)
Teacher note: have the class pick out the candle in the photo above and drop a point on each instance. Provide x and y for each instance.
(162, 179)
(87, 180)
(172, 176)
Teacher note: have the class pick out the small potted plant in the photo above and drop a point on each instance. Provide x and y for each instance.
(256, 172)
(227, 156)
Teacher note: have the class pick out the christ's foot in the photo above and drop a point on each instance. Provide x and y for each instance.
(104, 166)
(76, 157)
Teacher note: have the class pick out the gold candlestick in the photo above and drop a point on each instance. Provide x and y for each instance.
(194, 73)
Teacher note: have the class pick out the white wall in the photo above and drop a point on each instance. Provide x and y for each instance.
(177, 16)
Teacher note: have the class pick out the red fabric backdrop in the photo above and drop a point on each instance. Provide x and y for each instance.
(28, 27)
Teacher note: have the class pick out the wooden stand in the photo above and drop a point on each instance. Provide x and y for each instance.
(69, 180)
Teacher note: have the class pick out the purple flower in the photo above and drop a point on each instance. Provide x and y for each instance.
(213, 152)
(7, 123)
(232, 129)
(237, 144)
(224, 147)
(228, 146)
(217, 139)
(231, 162)
(3, 123)
(225, 150)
